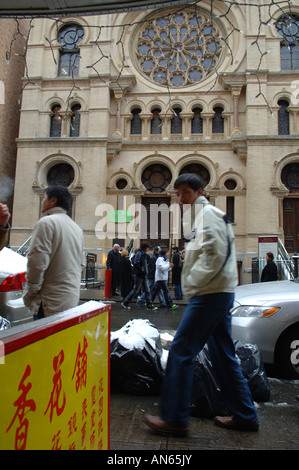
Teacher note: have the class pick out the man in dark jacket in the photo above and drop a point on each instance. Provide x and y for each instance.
(176, 273)
(270, 270)
(141, 275)
(113, 261)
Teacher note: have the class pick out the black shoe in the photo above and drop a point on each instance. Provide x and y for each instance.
(151, 307)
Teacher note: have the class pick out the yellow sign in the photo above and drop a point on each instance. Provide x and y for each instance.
(55, 379)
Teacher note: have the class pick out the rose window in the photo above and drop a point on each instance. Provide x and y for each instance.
(179, 49)
(156, 178)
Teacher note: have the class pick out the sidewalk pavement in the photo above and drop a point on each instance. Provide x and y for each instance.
(278, 418)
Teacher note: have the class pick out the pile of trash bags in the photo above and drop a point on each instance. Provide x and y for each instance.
(138, 361)
(207, 400)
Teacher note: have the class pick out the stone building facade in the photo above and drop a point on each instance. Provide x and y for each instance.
(12, 66)
(119, 105)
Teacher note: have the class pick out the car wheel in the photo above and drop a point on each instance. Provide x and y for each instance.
(287, 355)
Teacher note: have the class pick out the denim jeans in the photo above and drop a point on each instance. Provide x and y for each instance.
(138, 283)
(207, 319)
(178, 291)
(151, 285)
(162, 285)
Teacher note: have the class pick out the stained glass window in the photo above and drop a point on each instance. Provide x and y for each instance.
(136, 123)
(218, 121)
(156, 122)
(283, 118)
(288, 28)
(69, 37)
(156, 178)
(56, 119)
(61, 174)
(75, 121)
(196, 123)
(176, 122)
(179, 49)
(198, 170)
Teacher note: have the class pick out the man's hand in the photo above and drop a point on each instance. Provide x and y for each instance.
(4, 215)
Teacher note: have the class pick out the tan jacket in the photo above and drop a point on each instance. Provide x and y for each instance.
(207, 267)
(54, 265)
(3, 236)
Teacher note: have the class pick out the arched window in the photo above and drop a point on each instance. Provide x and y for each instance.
(290, 177)
(156, 178)
(218, 121)
(156, 122)
(176, 122)
(69, 37)
(288, 27)
(198, 170)
(61, 174)
(55, 126)
(283, 118)
(136, 122)
(75, 121)
(196, 123)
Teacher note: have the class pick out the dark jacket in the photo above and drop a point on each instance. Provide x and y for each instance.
(269, 272)
(152, 267)
(126, 276)
(140, 264)
(176, 270)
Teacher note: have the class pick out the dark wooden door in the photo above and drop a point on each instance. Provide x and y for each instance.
(155, 225)
(291, 224)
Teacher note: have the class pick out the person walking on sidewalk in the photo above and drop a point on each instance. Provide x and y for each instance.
(55, 257)
(209, 279)
(151, 278)
(140, 265)
(163, 266)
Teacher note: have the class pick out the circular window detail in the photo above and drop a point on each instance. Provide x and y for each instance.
(230, 184)
(61, 174)
(121, 183)
(199, 170)
(290, 177)
(156, 178)
(178, 49)
(70, 35)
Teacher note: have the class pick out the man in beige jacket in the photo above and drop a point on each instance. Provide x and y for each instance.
(4, 227)
(209, 280)
(54, 257)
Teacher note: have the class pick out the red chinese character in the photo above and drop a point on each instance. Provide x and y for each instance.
(93, 395)
(72, 424)
(56, 441)
(55, 394)
(101, 405)
(23, 407)
(101, 385)
(84, 409)
(81, 366)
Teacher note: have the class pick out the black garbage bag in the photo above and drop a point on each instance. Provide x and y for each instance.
(4, 324)
(136, 353)
(252, 367)
(207, 399)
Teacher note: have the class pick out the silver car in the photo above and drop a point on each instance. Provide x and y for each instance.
(12, 282)
(267, 314)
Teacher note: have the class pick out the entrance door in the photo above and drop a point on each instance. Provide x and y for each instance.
(291, 224)
(155, 225)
